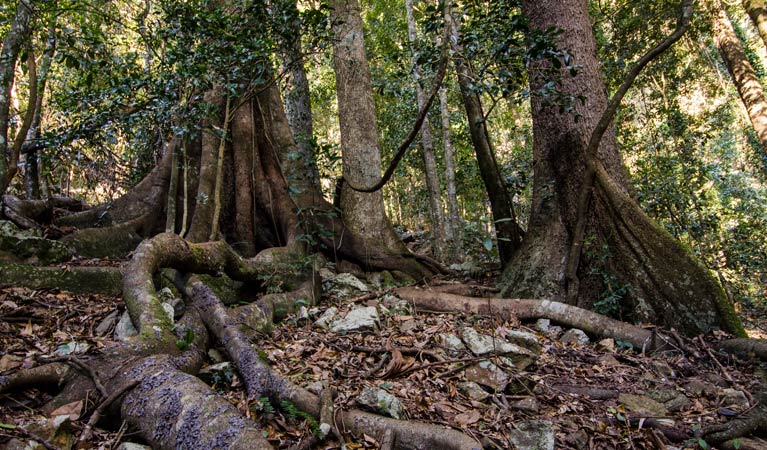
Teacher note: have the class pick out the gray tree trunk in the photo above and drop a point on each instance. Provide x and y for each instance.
(454, 221)
(363, 213)
(12, 43)
(504, 220)
(305, 178)
(438, 223)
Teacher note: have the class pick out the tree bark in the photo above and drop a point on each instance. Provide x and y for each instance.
(363, 213)
(12, 43)
(626, 251)
(454, 221)
(32, 169)
(305, 179)
(504, 220)
(438, 223)
(202, 220)
(743, 75)
(758, 13)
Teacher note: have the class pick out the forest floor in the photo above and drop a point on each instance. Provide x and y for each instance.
(596, 395)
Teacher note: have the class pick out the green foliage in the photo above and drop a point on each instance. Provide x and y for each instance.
(610, 302)
(294, 413)
(186, 340)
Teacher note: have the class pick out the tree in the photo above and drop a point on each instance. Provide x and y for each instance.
(742, 73)
(504, 218)
(758, 14)
(363, 213)
(438, 223)
(624, 264)
(13, 42)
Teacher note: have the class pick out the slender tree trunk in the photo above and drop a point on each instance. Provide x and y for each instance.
(306, 178)
(505, 222)
(32, 169)
(758, 13)
(741, 72)
(454, 221)
(12, 43)
(438, 223)
(629, 260)
(363, 213)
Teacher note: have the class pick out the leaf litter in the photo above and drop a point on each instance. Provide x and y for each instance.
(594, 396)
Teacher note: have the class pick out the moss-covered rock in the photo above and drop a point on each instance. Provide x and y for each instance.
(29, 246)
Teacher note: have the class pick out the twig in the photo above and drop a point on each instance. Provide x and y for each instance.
(88, 430)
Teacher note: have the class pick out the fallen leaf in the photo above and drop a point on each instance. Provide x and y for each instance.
(72, 410)
(9, 362)
(467, 418)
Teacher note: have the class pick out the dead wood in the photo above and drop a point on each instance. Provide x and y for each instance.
(528, 309)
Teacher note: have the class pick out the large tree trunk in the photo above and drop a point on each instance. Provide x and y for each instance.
(12, 43)
(628, 263)
(427, 146)
(363, 213)
(756, 10)
(743, 75)
(504, 220)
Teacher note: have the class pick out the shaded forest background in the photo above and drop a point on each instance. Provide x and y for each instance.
(119, 77)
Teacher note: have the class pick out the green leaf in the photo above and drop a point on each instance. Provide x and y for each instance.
(7, 426)
(488, 243)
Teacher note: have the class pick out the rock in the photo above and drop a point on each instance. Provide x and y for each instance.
(481, 344)
(396, 304)
(215, 356)
(220, 374)
(29, 246)
(364, 318)
(169, 311)
(381, 280)
(109, 321)
(671, 399)
(179, 307)
(382, 402)
(125, 329)
(663, 368)
(326, 318)
(132, 446)
(606, 345)
(529, 404)
(345, 266)
(316, 388)
(468, 268)
(575, 336)
(302, 314)
(642, 405)
(734, 399)
(524, 339)
(545, 327)
(488, 374)
(533, 435)
(700, 388)
(451, 343)
(472, 390)
(344, 284)
(71, 347)
(408, 326)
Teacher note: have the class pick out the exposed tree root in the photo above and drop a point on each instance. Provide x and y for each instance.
(155, 384)
(261, 381)
(77, 279)
(527, 309)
